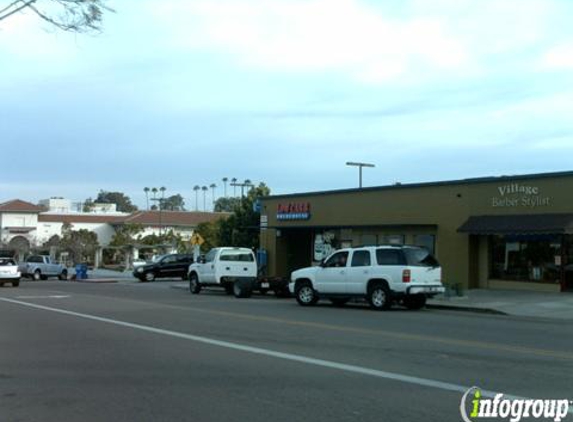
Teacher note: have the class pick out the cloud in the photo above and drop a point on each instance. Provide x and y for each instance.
(346, 36)
(559, 57)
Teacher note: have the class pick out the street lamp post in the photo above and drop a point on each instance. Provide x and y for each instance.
(359, 165)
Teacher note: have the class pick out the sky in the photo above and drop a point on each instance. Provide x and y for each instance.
(179, 93)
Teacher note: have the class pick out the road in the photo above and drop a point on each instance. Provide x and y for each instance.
(150, 352)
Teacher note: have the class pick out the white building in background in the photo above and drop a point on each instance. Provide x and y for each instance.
(25, 226)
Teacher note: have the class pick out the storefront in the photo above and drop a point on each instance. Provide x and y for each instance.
(502, 232)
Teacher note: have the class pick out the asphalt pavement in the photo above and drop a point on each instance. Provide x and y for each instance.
(130, 351)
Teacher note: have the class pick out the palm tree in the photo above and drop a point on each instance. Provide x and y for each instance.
(234, 184)
(196, 188)
(213, 186)
(162, 189)
(225, 180)
(154, 192)
(146, 190)
(204, 189)
(246, 183)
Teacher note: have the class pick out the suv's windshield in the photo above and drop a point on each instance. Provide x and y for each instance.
(419, 257)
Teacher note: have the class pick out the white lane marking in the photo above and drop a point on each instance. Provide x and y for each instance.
(43, 297)
(425, 382)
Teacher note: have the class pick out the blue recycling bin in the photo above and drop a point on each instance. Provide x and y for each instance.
(81, 271)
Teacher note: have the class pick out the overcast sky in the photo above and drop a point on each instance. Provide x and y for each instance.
(178, 93)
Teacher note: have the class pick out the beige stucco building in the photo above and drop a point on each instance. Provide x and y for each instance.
(510, 232)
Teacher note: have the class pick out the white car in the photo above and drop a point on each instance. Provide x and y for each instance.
(234, 269)
(9, 272)
(380, 274)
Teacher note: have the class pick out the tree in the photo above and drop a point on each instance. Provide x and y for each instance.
(242, 227)
(226, 204)
(173, 203)
(81, 244)
(122, 201)
(125, 235)
(67, 15)
(209, 231)
(88, 205)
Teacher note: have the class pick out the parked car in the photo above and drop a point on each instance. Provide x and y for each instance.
(166, 266)
(380, 274)
(40, 267)
(9, 272)
(233, 269)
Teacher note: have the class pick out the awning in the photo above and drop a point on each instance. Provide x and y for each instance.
(519, 224)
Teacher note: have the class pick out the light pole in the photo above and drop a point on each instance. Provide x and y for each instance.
(359, 165)
(246, 183)
(161, 202)
(234, 184)
(154, 191)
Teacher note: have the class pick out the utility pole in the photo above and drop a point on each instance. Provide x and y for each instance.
(359, 165)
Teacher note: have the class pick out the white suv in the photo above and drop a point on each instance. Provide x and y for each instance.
(380, 274)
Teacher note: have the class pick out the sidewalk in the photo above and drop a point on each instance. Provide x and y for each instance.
(530, 304)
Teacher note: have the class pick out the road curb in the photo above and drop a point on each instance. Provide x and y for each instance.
(466, 309)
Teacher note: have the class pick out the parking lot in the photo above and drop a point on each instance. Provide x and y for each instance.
(130, 351)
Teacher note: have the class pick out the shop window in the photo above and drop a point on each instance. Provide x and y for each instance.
(427, 241)
(534, 258)
(368, 240)
(393, 239)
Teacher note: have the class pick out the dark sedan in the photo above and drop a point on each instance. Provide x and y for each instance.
(167, 266)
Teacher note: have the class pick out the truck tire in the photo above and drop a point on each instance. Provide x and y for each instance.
(379, 297)
(194, 285)
(242, 289)
(229, 288)
(15, 283)
(305, 294)
(415, 302)
(37, 276)
(63, 275)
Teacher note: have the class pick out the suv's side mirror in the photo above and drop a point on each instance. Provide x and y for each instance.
(201, 259)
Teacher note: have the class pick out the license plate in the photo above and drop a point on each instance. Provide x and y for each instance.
(265, 285)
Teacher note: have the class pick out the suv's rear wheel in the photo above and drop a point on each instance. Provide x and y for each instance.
(305, 294)
(149, 276)
(379, 297)
(415, 301)
(194, 286)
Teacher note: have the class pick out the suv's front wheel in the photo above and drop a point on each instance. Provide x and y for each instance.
(305, 294)
(379, 297)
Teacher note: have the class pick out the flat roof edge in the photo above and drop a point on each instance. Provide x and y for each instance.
(469, 181)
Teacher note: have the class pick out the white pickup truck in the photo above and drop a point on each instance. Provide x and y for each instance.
(40, 267)
(234, 269)
(380, 274)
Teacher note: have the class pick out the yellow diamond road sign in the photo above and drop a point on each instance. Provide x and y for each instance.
(196, 239)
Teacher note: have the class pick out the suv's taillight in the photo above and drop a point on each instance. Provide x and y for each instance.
(406, 276)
